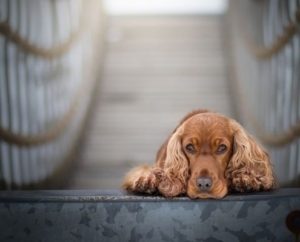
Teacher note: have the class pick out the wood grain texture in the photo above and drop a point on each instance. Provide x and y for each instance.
(156, 70)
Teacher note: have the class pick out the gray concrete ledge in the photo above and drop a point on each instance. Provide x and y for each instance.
(121, 196)
(97, 215)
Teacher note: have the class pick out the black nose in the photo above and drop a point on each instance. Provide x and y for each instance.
(204, 183)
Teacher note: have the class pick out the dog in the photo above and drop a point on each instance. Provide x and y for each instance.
(208, 155)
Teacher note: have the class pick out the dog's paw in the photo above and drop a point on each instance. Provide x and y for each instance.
(144, 180)
(171, 187)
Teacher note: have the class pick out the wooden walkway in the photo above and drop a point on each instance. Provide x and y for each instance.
(156, 70)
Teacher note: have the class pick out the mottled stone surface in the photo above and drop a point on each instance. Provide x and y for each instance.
(113, 216)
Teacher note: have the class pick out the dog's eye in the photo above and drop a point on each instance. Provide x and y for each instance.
(221, 149)
(190, 148)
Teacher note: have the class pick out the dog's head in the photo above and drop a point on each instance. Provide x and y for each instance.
(210, 154)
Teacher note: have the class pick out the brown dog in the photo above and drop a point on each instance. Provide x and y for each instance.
(206, 156)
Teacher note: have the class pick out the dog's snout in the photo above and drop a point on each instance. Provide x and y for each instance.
(204, 183)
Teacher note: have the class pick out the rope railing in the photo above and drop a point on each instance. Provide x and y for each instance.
(283, 137)
(278, 139)
(57, 51)
(265, 79)
(51, 133)
(265, 52)
(42, 115)
(47, 53)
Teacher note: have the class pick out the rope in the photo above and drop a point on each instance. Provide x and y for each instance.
(57, 178)
(50, 53)
(241, 106)
(282, 138)
(265, 52)
(49, 135)
(279, 139)
(53, 52)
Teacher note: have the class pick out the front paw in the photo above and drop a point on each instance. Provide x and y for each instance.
(246, 182)
(143, 180)
(146, 184)
(252, 184)
(171, 187)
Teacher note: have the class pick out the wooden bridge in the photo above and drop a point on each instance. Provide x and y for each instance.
(85, 96)
(156, 69)
(137, 76)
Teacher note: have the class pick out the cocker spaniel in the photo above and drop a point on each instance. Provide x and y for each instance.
(206, 156)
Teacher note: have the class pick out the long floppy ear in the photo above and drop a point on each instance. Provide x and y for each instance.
(162, 152)
(175, 166)
(250, 168)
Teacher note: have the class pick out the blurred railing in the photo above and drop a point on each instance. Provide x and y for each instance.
(49, 59)
(264, 37)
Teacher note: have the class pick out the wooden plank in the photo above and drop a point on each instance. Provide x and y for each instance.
(156, 70)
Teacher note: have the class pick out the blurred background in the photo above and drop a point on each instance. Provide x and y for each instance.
(90, 89)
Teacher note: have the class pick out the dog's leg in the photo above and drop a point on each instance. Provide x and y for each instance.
(171, 187)
(142, 179)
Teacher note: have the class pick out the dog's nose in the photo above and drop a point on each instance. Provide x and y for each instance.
(204, 183)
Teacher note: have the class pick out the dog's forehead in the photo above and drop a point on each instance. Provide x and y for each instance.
(208, 122)
(207, 119)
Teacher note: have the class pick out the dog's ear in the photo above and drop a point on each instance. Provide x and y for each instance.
(249, 168)
(162, 152)
(176, 162)
(175, 166)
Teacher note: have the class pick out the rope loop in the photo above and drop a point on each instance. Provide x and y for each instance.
(30, 48)
(266, 52)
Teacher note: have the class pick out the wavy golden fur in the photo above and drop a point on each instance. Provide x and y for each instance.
(206, 156)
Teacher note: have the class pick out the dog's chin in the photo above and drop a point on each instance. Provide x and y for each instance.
(194, 193)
